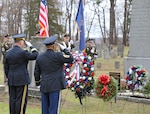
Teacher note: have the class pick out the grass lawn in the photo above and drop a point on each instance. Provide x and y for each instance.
(91, 105)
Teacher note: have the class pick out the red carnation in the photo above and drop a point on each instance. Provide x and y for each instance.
(70, 65)
(127, 77)
(133, 68)
(92, 74)
(84, 54)
(72, 85)
(86, 68)
(143, 71)
(67, 73)
(78, 89)
(84, 61)
(86, 73)
(81, 80)
(138, 73)
(91, 63)
(86, 84)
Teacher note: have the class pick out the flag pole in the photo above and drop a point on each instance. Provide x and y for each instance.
(80, 23)
(43, 19)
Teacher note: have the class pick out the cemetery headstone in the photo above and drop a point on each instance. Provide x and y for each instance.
(117, 64)
(98, 65)
(113, 53)
(106, 52)
(38, 43)
(120, 49)
(139, 36)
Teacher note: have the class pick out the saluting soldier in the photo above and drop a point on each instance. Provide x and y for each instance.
(67, 43)
(5, 46)
(37, 33)
(49, 74)
(15, 67)
(90, 49)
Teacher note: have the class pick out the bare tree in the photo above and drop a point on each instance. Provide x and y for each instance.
(112, 32)
(69, 9)
(1, 11)
(126, 24)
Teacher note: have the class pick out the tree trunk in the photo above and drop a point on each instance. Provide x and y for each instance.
(111, 33)
(125, 23)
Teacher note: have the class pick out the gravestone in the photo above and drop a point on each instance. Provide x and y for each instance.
(120, 49)
(113, 53)
(98, 44)
(99, 49)
(37, 42)
(106, 52)
(98, 65)
(2, 88)
(117, 64)
(139, 41)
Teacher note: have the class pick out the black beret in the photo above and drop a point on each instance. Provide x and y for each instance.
(66, 35)
(88, 39)
(7, 35)
(37, 32)
(50, 40)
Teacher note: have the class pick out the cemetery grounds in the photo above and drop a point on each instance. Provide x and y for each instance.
(91, 105)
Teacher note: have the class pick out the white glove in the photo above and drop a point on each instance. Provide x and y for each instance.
(28, 44)
(38, 87)
(71, 41)
(92, 51)
(68, 48)
(61, 46)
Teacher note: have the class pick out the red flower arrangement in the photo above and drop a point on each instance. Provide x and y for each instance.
(106, 87)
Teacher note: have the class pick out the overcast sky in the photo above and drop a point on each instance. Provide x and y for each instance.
(95, 30)
(89, 12)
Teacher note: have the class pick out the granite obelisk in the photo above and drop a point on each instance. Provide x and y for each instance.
(139, 41)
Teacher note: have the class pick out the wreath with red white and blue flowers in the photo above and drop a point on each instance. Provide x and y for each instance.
(136, 77)
(81, 78)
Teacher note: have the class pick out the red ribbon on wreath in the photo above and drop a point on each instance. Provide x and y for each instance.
(104, 79)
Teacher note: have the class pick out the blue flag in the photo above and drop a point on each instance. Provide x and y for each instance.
(80, 22)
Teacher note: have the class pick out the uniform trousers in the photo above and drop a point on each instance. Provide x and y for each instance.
(18, 99)
(50, 102)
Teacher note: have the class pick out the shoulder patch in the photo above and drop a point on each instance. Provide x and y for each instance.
(66, 56)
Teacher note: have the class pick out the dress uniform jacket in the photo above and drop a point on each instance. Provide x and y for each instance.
(53, 78)
(15, 66)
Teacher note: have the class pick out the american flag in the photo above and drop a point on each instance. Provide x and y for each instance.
(43, 19)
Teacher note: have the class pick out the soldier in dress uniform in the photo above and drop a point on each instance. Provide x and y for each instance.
(67, 42)
(15, 67)
(37, 33)
(5, 46)
(49, 74)
(90, 49)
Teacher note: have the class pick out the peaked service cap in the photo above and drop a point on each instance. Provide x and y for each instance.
(19, 37)
(50, 40)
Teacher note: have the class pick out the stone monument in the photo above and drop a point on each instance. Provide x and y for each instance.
(139, 41)
(37, 41)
